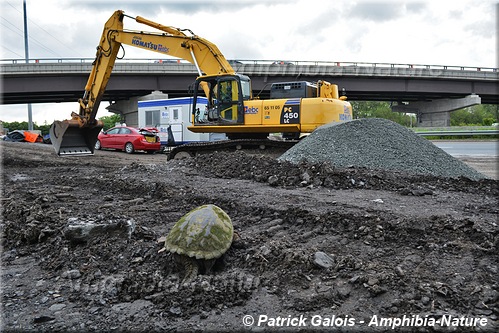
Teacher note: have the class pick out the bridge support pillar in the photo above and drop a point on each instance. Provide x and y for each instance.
(128, 109)
(437, 113)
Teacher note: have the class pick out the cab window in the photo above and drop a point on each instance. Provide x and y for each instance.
(224, 104)
(228, 97)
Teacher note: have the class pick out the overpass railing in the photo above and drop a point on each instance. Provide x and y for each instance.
(259, 62)
(254, 67)
(459, 133)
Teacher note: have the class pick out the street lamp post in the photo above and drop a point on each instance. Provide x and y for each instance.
(26, 54)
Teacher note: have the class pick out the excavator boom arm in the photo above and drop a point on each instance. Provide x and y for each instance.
(172, 42)
(193, 49)
(106, 55)
(78, 135)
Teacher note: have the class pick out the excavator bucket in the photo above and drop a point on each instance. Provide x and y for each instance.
(69, 139)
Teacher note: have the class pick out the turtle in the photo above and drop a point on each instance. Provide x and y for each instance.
(199, 238)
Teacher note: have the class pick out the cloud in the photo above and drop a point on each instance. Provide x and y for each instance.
(415, 7)
(285, 30)
(377, 12)
(152, 7)
(484, 25)
(382, 31)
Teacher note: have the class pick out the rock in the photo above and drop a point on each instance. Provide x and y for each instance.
(57, 307)
(354, 279)
(63, 195)
(273, 180)
(79, 230)
(323, 260)
(275, 222)
(108, 198)
(344, 291)
(97, 273)
(94, 310)
(305, 177)
(176, 310)
(72, 274)
(400, 272)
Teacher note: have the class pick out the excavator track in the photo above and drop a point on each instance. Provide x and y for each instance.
(263, 145)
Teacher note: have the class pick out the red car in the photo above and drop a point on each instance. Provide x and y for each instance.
(129, 139)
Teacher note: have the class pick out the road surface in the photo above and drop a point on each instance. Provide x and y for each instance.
(469, 148)
(480, 155)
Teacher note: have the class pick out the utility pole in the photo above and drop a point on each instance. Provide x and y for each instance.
(26, 55)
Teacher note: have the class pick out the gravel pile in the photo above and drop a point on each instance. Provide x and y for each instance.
(377, 144)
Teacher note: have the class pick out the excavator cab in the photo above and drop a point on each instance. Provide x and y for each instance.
(225, 94)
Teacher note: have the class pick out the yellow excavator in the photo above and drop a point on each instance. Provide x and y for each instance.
(231, 108)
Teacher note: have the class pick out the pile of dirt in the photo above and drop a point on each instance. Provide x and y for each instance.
(315, 243)
(377, 144)
(265, 169)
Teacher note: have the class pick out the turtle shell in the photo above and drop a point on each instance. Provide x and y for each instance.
(203, 233)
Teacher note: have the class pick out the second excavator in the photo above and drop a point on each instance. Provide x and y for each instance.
(231, 108)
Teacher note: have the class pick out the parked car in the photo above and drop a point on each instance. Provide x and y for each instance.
(167, 61)
(129, 139)
(280, 62)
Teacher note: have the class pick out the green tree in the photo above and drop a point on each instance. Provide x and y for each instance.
(372, 109)
(45, 128)
(110, 121)
(16, 125)
(23, 126)
(487, 121)
(477, 115)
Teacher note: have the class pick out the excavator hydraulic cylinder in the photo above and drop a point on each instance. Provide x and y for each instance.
(69, 138)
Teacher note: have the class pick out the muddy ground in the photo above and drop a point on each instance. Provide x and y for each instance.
(320, 249)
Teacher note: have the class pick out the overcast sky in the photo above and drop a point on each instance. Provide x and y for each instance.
(461, 33)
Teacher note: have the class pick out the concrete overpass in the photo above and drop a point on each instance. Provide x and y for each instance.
(63, 80)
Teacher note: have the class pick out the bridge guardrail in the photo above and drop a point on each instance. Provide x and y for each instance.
(458, 133)
(258, 67)
(237, 62)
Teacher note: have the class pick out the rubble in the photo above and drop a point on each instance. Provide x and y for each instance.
(378, 144)
(412, 255)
